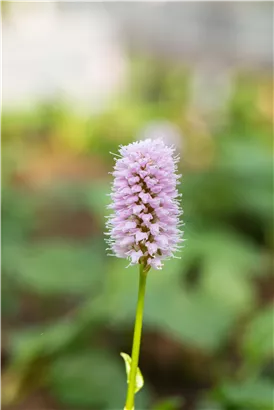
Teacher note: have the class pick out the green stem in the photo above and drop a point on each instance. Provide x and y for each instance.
(136, 339)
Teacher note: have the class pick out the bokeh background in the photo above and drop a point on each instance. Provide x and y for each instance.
(79, 79)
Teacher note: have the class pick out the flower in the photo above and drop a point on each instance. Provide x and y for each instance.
(145, 225)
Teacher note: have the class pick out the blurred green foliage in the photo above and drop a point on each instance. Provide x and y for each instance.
(68, 309)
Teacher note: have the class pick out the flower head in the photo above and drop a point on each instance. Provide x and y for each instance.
(145, 224)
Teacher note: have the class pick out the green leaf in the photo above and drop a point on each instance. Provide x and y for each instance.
(90, 378)
(258, 343)
(226, 283)
(42, 340)
(34, 350)
(198, 318)
(172, 403)
(222, 246)
(56, 267)
(205, 404)
(251, 394)
(139, 377)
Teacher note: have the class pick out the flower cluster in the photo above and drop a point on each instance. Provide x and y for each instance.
(145, 224)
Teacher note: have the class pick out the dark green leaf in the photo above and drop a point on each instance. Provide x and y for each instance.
(173, 403)
(58, 267)
(258, 340)
(92, 378)
(252, 394)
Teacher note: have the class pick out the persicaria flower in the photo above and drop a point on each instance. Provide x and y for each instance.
(145, 225)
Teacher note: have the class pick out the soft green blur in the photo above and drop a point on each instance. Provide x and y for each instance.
(68, 308)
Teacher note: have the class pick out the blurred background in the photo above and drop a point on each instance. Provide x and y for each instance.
(79, 79)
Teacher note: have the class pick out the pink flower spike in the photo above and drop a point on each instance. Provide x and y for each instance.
(156, 263)
(146, 218)
(135, 256)
(140, 236)
(152, 248)
(129, 225)
(145, 224)
(144, 197)
(136, 188)
(137, 209)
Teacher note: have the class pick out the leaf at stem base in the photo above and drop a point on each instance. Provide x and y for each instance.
(139, 377)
